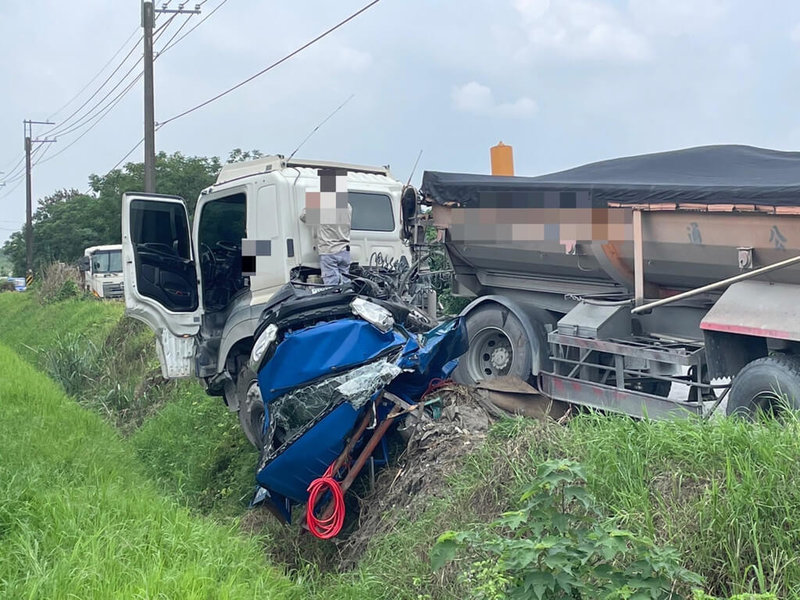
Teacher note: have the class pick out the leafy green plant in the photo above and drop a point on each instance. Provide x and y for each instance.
(559, 545)
(699, 595)
(69, 289)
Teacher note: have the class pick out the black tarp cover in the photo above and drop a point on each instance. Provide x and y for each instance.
(704, 175)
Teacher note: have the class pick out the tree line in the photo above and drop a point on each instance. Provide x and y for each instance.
(68, 221)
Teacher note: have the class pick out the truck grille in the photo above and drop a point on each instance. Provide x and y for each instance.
(112, 290)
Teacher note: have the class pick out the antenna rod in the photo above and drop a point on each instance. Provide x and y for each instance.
(313, 131)
(414, 168)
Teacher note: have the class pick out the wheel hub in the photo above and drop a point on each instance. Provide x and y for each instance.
(501, 357)
(490, 355)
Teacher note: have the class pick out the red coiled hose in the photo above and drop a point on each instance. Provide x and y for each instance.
(329, 527)
(435, 384)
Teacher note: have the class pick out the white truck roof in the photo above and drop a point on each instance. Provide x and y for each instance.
(268, 164)
(88, 251)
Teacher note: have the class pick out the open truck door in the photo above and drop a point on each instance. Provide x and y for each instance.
(161, 281)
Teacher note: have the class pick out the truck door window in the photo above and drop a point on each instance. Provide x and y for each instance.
(371, 211)
(219, 236)
(164, 269)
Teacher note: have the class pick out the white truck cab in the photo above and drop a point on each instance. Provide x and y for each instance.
(102, 271)
(189, 287)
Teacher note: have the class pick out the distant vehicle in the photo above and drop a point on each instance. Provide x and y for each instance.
(189, 285)
(102, 271)
(19, 283)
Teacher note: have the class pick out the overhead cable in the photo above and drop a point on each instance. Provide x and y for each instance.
(270, 67)
(93, 79)
(90, 98)
(200, 22)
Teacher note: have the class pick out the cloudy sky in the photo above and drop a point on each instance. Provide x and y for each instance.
(564, 81)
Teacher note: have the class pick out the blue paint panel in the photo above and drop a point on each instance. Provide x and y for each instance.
(291, 472)
(436, 358)
(333, 347)
(324, 349)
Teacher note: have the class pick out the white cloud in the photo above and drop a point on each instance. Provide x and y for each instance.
(478, 99)
(580, 29)
(795, 34)
(676, 17)
(351, 59)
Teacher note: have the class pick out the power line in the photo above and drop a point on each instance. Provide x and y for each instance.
(13, 189)
(176, 33)
(93, 79)
(161, 28)
(270, 67)
(86, 118)
(99, 107)
(85, 87)
(66, 128)
(20, 175)
(99, 117)
(200, 22)
(16, 166)
(90, 98)
(121, 160)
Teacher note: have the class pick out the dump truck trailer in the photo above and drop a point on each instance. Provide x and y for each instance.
(652, 284)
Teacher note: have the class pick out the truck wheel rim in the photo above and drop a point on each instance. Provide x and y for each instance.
(255, 408)
(490, 354)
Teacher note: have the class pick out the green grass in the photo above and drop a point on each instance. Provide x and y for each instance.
(79, 520)
(101, 358)
(26, 326)
(727, 494)
(196, 451)
(186, 441)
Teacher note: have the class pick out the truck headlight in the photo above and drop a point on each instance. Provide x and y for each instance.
(372, 313)
(263, 342)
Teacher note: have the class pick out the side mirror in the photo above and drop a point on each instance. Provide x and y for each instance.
(409, 201)
(83, 264)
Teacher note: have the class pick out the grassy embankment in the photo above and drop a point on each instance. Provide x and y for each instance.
(725, 495)
(188, 443)
(78, 518)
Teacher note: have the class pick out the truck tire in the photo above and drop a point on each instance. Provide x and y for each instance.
(767, 384)
(251, 406)
(498, 346)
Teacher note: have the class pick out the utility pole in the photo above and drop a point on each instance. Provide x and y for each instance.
(28, 128)
(148, 22)
(148, 19)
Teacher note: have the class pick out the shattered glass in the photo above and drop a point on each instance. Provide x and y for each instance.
(292, 413)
